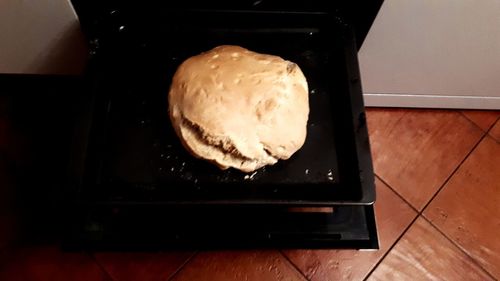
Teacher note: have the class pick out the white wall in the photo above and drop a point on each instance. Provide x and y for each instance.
(40, 36)
(433, 53)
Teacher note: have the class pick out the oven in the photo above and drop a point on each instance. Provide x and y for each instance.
(132, 184)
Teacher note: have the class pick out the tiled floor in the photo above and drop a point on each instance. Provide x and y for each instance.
(437, 209)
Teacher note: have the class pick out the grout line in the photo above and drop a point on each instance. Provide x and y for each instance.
(476, 125)
(390, 248)
(461, 249)
(179, 269)
(491, 127)
(395, 192)
(453, 172)
(101, 267)
(417, 213)
(470, 120)
(293, 265)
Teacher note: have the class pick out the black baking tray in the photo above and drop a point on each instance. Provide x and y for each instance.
(133, 155)
(36, 104)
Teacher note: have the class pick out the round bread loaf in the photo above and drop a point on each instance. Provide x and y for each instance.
(238, 108)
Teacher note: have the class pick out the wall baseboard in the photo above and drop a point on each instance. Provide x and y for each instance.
(431, 101)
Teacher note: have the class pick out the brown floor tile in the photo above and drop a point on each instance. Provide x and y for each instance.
(425, 254)
(415, 151)
(482, 118)
(467, 209)
(495, 131)
(141, 266)
(239, 265)
(48, 263)
(393, 216)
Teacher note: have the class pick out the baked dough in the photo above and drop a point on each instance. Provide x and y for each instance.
(238, 108)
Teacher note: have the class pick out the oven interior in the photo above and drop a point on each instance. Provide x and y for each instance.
(133, 184)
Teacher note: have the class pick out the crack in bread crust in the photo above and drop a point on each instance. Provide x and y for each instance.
(224, 145)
